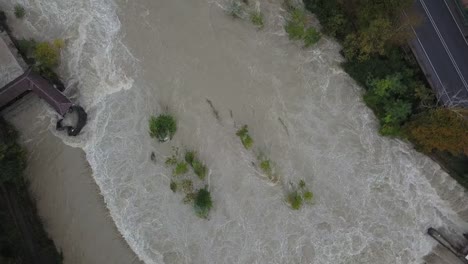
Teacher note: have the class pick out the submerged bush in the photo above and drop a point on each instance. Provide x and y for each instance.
(256, 18)
(244, 136)
(200, 169)
(311, 36)
(20, 12)
(162, 127)
(180, 168)
(295, 200)
(308, 196)
(187, 186)
(203, 203)
(173, 186)
(266, 167)
(189, 157)
(296, 24)
(235, 9)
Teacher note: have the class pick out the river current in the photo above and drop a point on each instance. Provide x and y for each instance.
(126, 60)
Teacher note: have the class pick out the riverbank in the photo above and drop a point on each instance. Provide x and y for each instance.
(68, 199)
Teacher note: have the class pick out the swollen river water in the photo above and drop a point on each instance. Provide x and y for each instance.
(126, 60)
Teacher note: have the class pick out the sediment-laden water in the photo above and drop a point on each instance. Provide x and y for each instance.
(126, 60)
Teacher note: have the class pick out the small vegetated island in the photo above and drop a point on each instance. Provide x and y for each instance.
(296, 194)
(188, 171)
(374, 37)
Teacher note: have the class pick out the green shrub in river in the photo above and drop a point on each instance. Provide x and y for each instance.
(295, 200)
(180, 168)
(187, 183)
(203, 203)
(311, 36)
(256, 17)
(20, 12)
(162, 127)
(298, 195)
(244, 136)
(235, 9)
(296, 24)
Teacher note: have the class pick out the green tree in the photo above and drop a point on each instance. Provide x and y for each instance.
(46, 55)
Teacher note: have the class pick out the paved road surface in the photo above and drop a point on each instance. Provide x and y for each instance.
(442, 51)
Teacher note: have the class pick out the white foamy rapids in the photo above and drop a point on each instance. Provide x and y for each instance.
(94, 62)
(375, 197)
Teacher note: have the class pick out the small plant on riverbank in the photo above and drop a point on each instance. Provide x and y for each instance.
(20, 12)
(256, 17)
(244, 136)
(162, 127)
(203, 203)
(297, 29)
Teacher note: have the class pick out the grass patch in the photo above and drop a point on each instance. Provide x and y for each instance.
(244, 136)
(256, 17)
(203, 203)
(19, 11)
(162, 127)
(180, 168)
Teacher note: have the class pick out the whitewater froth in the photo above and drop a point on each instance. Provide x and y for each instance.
(374, 195)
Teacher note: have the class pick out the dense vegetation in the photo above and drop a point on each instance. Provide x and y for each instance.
(22, 236)
(374, 36)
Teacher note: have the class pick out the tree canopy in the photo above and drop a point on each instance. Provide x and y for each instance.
(440, 129)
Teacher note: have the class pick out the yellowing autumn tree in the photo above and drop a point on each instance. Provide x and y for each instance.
(440, 129)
